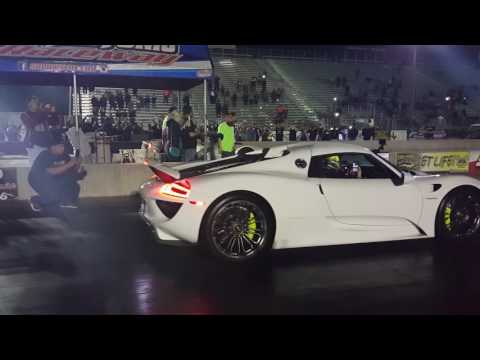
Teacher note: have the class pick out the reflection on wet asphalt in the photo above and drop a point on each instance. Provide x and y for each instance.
(104, 260)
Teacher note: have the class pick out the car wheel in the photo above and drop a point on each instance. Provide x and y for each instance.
(458, 217)
(239, 228)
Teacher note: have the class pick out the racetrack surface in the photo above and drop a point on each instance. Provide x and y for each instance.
(104, 260)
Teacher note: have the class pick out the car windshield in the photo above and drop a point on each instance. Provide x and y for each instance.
(400, 172)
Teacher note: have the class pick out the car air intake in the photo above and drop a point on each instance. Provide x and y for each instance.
(168, 208)
(436, 187)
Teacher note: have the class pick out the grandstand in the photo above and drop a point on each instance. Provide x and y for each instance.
(310, 89)
(144, 115)
(232, 69)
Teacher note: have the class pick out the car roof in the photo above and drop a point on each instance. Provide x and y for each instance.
(330, 147)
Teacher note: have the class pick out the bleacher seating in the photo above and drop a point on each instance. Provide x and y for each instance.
(232, 69)
(316, 81)
(144, 115)
(309, 89)
(463, 75)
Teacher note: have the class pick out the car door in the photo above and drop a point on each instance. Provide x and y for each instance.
(361, 190)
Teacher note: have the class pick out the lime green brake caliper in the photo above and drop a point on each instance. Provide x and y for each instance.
(252, 226)
(447, 218)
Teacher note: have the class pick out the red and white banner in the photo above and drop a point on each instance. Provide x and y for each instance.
(151, 54)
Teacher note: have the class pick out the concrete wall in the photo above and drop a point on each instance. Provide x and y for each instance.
(103, 180)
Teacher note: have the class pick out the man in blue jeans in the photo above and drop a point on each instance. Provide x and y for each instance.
(54, 176)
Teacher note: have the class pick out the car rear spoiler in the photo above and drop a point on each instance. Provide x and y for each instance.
(169, 174)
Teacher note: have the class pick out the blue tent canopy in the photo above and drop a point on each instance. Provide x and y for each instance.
(174, 67)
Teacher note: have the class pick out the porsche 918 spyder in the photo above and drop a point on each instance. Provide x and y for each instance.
(241, 207)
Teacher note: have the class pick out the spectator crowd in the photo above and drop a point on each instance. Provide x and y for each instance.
(16, 131)
(246, 92)
(364, 92)
(281, 133)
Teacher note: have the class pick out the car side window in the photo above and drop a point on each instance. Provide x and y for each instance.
(347, 166)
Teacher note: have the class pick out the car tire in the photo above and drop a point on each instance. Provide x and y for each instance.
(224, 234)
(458, 218)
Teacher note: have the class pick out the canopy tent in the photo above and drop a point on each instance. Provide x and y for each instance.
(54, 79)
(173, 67)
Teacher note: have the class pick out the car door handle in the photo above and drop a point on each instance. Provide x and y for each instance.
(320, 188)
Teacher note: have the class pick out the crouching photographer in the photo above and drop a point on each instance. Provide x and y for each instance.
(54, 176)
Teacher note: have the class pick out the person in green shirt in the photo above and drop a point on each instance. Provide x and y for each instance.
(226, 132)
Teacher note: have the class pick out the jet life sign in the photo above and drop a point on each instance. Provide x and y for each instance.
(152, 54)
(450, 161)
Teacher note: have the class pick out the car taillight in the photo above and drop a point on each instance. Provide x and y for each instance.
(179, 189)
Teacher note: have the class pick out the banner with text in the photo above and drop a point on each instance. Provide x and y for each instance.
(171, 61)
(450, 161)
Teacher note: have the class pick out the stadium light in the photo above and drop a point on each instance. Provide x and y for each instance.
(447, 98)
(226, 62)
(335, 99)
(337, 114)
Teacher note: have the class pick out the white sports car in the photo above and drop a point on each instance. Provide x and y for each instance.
(241, 207)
